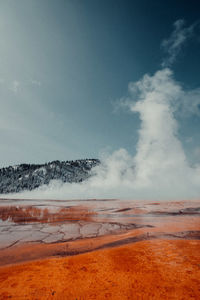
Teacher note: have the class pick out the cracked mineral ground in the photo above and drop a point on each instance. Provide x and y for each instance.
(99, 249)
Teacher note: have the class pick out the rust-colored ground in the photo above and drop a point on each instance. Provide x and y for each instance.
(157, 269)
(158, 259)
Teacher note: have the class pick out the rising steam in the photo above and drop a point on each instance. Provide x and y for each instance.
(159, 170)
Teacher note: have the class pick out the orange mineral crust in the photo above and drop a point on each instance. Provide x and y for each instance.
(99, 249)
(159, 269)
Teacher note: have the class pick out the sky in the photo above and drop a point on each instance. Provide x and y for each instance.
(69, 68)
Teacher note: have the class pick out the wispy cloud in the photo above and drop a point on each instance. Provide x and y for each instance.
(190, 104)
(35, 82)
(15, 85)
(172, 46)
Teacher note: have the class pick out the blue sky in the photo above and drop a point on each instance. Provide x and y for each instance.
(65, 64)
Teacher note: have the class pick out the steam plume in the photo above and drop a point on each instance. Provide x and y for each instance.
(159, 170)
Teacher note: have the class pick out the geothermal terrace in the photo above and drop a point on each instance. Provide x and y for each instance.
(99, 249)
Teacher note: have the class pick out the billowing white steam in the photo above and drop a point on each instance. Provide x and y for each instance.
(159, 170)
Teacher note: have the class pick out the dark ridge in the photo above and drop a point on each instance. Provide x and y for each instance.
(123, 209)
(14, 179)
(185, 235)
(185, 211)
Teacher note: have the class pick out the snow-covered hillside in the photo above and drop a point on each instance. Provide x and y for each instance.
(30, 176)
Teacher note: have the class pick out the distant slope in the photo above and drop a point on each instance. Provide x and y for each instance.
(17, 178)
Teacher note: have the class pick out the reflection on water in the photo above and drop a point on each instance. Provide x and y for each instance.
(66, 227)
(30, 214)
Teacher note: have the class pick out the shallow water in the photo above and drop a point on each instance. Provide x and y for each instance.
(99, 249)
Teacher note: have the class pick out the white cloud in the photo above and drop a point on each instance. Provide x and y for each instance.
(159, 170)
(175, 42)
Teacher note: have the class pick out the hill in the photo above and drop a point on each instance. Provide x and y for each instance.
(21, 177)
